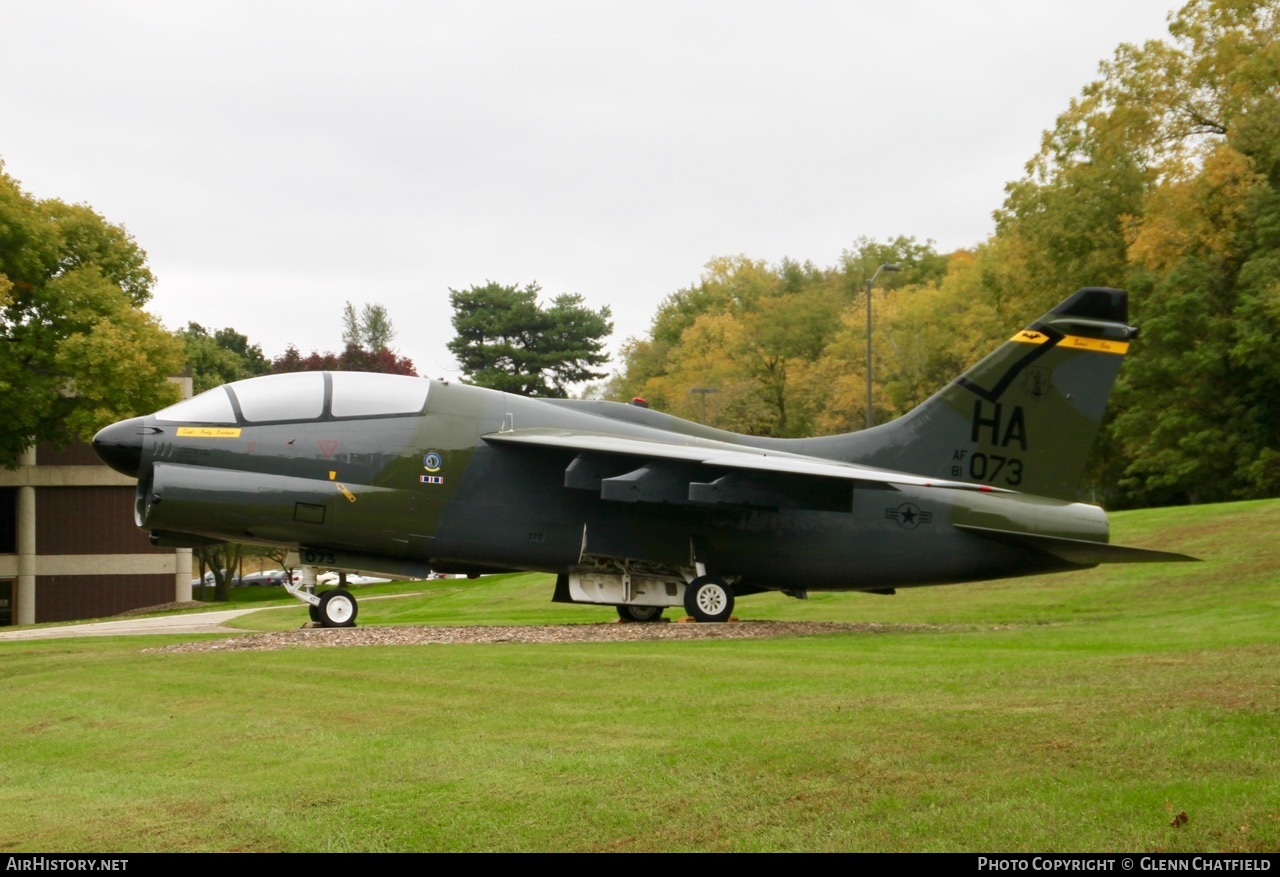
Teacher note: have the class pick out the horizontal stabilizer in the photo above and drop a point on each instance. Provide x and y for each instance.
(1078, 551)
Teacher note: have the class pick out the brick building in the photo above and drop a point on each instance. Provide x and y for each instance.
(69, 548)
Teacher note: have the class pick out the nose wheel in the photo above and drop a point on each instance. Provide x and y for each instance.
(337, 609)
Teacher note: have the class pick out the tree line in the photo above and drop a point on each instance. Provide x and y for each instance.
(1162, 177)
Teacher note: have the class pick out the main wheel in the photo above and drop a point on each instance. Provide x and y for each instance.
(639, 613)
(337, 609)
(708, 598)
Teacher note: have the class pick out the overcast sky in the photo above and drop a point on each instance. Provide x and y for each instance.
(276, 159)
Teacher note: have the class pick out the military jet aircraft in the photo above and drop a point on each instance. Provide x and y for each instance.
(637, 509)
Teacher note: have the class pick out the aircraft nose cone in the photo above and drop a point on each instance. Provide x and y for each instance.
(120, 446)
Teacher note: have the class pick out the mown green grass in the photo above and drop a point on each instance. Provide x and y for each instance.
(1074, 712)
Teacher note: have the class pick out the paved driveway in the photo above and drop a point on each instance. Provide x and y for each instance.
(195, 622)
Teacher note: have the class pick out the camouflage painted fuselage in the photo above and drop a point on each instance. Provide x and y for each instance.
(979, 482)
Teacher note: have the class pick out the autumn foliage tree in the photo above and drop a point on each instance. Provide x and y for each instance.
(76, 349)
(1163, 178)
(782, 346)
(220, 357)
(352, 359)
(366, 338)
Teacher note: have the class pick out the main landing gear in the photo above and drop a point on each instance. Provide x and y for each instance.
(708, 598)
(640, 592)
(640, 613)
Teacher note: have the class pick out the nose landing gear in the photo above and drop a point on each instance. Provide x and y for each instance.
(337, 609)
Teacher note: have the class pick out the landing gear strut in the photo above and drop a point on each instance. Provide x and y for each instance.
(336, 608)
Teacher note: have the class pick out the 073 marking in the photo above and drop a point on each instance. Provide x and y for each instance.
(989, 468)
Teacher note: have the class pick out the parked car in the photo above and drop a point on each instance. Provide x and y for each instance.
(259, 579)
(353, 578)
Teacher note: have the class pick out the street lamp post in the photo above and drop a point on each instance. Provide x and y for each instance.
(887, 266)
(702, 393)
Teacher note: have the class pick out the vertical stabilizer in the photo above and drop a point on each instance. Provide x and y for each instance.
(1026, 416)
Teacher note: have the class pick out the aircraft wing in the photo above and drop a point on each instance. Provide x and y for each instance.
(718, 455)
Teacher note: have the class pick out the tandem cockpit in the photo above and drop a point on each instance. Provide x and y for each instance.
(310, 396)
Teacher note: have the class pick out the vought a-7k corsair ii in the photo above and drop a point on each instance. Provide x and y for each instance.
(637, 509)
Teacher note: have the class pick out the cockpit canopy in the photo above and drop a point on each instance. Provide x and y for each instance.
(304, 396)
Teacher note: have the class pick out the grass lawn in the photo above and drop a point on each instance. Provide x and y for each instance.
(1073, 712)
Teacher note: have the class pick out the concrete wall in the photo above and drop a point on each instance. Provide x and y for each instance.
(75, 551)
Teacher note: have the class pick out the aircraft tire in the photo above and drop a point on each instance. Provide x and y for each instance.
(337, 609)
(708, 598)
(639, 613)
(314, 611)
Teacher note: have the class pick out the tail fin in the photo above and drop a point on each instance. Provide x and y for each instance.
(1024, 417)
